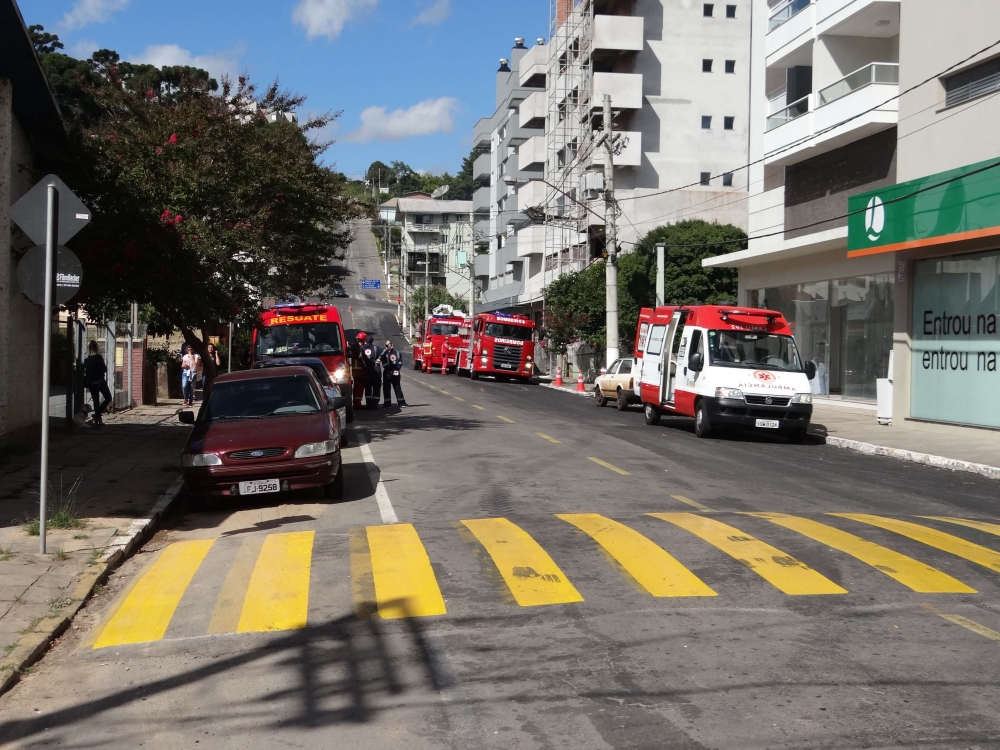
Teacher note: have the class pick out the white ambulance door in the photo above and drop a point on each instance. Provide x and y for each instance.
(652, 356)
(668, 370)
(638, 358)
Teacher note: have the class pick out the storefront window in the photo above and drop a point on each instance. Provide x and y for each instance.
(843, 326)
(956, 304)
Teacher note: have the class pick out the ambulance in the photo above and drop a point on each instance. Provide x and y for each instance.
(499, 344)
(724, 366)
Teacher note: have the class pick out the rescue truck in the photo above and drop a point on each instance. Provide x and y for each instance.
(722, 365)
(304, 330)
(440, 336)
(499, 344)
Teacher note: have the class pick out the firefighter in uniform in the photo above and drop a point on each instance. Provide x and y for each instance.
(370, 354)
(392, 365)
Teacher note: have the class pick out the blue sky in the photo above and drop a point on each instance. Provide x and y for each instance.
(412, 77)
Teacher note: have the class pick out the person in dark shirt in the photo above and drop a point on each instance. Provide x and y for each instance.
(392, 363)
(95, 373)
(370, 354)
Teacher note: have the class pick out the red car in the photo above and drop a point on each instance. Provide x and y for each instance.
(264, 431)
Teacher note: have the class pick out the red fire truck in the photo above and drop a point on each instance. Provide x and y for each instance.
(294, 330)
(499, 344)
(442, 328)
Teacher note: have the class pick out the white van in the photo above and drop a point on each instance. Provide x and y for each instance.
(722, 365)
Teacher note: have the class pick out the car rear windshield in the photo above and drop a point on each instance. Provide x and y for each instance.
(507, 331)
(758, 351)
(261, 397)
(444, 329)
(299, 340)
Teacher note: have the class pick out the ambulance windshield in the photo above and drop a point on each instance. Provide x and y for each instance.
(758, 351)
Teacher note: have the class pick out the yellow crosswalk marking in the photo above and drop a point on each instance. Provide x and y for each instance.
(278, 594)
(606, 465)
(989, 528)
(648, 564)
(146, 612)
(911, 573)
(932, 538)
(546, 437)
(966, 623)
(229, 603)
(782, 571)
(508, 421)
(531, 575)
(405, 585)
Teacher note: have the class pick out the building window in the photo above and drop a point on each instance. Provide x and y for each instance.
(706, 66)
(706, 122)
(728, 123)
(730, 11)
(971, 83)
(730, 66)
(708, 10)
(727, 179)
(705, 177)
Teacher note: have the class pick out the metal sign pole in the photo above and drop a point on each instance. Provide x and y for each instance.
(51, 240)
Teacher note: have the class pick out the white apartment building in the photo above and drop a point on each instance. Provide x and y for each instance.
(678, 75)
(874, 223)
(436, 243)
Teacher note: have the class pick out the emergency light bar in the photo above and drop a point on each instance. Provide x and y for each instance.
(768, 316)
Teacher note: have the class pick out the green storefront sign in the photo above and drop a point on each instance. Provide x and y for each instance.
(950, 206)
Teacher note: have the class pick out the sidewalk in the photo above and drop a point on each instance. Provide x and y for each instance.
(849, 426)
(124, 470)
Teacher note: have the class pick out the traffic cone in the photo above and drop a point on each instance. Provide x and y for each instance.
(579, 383)
(559, 383)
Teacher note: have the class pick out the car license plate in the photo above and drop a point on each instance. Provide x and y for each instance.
(507, 367)
(260, 486)
(771, 424)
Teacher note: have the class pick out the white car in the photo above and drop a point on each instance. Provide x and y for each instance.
(616, 385)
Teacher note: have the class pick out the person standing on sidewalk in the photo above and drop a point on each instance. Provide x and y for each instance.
(213, 354)
(95, 376)
(373, 372)
(189, 373)
(392, 365)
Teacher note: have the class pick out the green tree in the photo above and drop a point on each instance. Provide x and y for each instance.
(437, 295)
(202, 207)
(45, 43)
(462, 185)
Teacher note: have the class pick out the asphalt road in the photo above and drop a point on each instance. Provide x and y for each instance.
(527, 599)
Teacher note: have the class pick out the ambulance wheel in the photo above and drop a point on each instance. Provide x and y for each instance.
(473, 375)
(702, 425)
(599, 397)
(651, 414)
(350, 412)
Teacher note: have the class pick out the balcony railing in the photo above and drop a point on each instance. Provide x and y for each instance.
(789, 113)
(785, 12)
(866, 76)
(425, 227)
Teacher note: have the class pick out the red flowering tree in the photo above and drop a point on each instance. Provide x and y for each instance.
(203, 205)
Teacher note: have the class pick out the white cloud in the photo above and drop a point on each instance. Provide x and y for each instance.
(425, 118)
(86, 12)
(327, 17)
(432, 14)
(224, 63)
(83, 49)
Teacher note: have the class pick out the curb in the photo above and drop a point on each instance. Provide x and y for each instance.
(928, 459)
(588, 394)
(32, 646)
(870, 449)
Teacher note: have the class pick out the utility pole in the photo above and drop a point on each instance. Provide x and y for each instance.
(610, 237)
(427, 274)
(661, 273)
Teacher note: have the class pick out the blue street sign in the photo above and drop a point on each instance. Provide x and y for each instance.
(371, 283)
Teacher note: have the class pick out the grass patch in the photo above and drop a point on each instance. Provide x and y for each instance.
(6, 554)
(31, 627)
(61, 554)
(81, 536)
(63, 515)
(95, 555)
(59, 603)
(9, 647)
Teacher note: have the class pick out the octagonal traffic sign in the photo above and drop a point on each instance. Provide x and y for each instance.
(29, 211)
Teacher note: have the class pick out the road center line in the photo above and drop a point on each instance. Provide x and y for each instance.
(459, 398)
(606, 465)
(966, 623)
(693, 503)
(546, 437)
(477, 406)
(508, 421)
(381, 496)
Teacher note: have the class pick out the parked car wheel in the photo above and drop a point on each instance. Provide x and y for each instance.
(198, 503)
(651, 414)
(599, 397)
(350, 411)
(622, 401)
(702, 424)
(335, 490)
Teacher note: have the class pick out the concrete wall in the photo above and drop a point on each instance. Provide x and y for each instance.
(933, 36)
(20, 320)
(836, 56)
